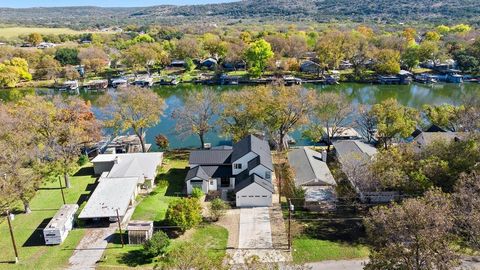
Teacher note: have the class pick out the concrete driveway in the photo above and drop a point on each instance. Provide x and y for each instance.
(255, 231)
(91, 248)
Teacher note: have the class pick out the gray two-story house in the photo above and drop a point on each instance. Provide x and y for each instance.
(245, 168)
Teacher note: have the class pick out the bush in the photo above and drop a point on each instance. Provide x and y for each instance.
(157, 245)
(217, 208)
(82, 160)
(185, 213)
(197, 193)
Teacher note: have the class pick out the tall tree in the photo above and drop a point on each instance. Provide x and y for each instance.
(366, 122)
(135, 108)
(412, 235)
(61, 129)
(445, 116)
(285, 109)
(196, 116)
(67, 56)
(331, 111)
(35, 39)
(94, 59)
(394, 120)
(145, 56)
(241, 114)
(387, 61)
(467, 208)
(18, 181)
(257, 55)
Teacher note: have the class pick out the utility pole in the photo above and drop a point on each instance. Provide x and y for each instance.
(61, 189)
(290, 209)
(120, 228)
(11, 235)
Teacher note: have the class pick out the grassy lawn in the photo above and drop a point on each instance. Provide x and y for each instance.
(27, 227)
(314, 250)
(11, 33)
(211, 236)
(337, 236)
(170, 182)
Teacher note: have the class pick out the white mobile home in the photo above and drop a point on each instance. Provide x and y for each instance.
(57, 229)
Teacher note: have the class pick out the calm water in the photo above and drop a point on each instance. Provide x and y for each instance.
(414, 95)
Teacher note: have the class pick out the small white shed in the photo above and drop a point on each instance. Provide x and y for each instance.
(57, 229)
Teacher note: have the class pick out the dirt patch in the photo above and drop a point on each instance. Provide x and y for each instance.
(231, 221)
(279, 230)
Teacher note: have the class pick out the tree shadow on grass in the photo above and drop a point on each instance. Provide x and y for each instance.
(176, 181)
(132, 258)
(85, 171)
(36, 238)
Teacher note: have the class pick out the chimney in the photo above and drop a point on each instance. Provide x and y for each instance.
(324, 156)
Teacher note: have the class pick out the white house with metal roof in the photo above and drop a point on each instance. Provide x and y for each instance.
(122, 177)
(245, 168)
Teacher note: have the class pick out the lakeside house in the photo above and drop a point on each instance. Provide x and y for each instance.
(314, 176)
(245, 169)
(209, 63)
(122, 177)
(423, 139)
(354, 157)
(309, 66)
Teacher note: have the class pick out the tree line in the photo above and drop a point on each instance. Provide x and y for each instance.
(150, 49)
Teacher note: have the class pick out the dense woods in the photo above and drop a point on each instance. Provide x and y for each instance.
(386, 11)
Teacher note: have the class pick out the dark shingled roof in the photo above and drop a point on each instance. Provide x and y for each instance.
(210, 157)
(196, 172)
(255, 145)
(253, 178)
(206, 172)
(310, 169)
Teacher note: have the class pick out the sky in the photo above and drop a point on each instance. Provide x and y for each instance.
(102, 3)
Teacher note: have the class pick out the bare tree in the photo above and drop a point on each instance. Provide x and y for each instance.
(196, 116)
(467, 208)
(412, 235)
(134, 108)
(367, 123)
(331, 110)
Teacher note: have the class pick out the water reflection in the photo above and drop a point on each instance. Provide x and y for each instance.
(415, 95)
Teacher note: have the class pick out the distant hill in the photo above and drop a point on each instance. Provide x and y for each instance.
(389, 11)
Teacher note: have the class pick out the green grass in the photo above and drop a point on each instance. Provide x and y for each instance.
(154, 206)
(314, 250)
(27, 227)
(13, 32)
(131, 256)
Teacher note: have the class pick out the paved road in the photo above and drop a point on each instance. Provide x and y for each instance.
(255, 231)
(337, 265)
(358, 265)
(91, 248)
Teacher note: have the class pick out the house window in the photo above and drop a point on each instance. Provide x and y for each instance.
(211, 182)
(268, 175)
(237, 166)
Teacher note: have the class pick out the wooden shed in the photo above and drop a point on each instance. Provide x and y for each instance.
(139, 231)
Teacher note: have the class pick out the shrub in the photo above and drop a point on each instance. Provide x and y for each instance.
(197, 193)
(217, 208)
(185, 213)
(82, 160)
(157, 245)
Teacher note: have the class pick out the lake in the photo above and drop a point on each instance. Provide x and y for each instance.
(414, 95)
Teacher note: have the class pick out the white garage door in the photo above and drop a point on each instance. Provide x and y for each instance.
(254, 200)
